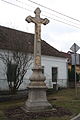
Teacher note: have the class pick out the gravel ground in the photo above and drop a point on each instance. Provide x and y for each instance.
(16, 113)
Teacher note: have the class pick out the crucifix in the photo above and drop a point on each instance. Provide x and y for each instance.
(37, 100)
(37, 38)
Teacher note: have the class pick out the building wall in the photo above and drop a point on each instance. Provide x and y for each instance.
(48, 62)
(77, 68)
(3, 81)
(61, 65)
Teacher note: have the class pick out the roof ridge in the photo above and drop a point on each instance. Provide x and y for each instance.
(15, 29)
(17, 37)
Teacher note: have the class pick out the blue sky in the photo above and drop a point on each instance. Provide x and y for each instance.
(57, 34)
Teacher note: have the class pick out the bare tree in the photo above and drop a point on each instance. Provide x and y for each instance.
(17, 60)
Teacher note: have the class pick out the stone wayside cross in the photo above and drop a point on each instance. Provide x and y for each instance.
(37, 38)
(37, 100)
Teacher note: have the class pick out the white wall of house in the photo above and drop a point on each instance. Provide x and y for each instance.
(61, 65)
(48, 62)
(3, 81)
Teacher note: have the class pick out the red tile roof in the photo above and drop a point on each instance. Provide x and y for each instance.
(67, 55)
(11, 39)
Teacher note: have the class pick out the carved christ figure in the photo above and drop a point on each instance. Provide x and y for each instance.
(37, 38)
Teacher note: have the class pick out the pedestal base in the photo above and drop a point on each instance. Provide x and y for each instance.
(37, 100)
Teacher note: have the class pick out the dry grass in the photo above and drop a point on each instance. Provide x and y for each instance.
(63, 98)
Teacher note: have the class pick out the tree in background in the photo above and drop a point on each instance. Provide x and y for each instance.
(16, 59)
(71, 76)
(17, 64)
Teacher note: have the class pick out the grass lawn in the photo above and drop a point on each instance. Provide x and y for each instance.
(62, 98)
(67, 99)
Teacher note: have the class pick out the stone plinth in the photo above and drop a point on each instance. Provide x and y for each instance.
(37, 100)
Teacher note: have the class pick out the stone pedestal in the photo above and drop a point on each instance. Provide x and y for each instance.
(37, 100)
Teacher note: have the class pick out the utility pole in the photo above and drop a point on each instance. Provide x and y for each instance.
(75, 48)
(75, 70)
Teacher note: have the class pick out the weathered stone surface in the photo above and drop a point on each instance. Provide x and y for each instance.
(37, 100)
(37, 38)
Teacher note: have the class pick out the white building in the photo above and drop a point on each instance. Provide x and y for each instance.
(53, 61)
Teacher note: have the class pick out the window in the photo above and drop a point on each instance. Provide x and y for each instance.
(54, 74)
(43, 69)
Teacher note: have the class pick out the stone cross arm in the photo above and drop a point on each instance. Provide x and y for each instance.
(30, 19)
(37, 19)
(45, 21)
